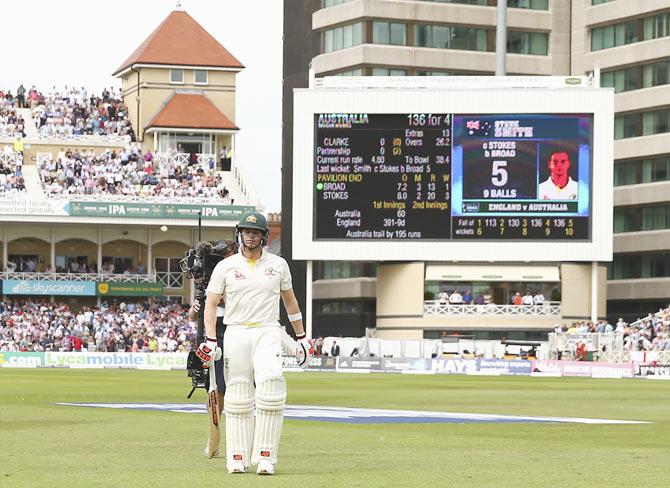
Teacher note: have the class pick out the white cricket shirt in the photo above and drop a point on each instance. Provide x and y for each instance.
(549, 191)
(251, 289)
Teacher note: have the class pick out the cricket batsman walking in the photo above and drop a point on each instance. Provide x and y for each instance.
(251, 283)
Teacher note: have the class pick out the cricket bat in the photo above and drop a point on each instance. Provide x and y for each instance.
(213, 411)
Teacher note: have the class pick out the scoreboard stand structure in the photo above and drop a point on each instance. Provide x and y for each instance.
(464, 169)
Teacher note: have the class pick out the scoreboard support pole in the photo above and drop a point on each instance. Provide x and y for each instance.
(501, 38)
(308, 299)
(594, 291)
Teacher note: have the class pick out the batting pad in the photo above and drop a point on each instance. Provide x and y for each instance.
(238, 405)
(270, 403)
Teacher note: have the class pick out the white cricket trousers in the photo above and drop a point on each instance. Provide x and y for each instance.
(254, 382)
(252, 353)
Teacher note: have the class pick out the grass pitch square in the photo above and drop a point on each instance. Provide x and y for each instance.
(49, 445)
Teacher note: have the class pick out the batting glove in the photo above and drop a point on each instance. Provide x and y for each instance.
(289, 346)
(304, 352)
(206, 350)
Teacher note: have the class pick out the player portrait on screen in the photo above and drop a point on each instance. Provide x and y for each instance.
(556, 173)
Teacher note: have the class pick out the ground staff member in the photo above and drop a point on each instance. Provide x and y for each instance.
(251, 283)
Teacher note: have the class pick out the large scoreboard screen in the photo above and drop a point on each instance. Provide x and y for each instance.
(450, 176)
(468, 169)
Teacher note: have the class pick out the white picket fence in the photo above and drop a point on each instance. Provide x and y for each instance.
(86, 139)
(546, 309)
(117, 278)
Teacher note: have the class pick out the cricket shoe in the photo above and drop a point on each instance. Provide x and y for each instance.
(215, 454)
(265, 467)
(236, 467)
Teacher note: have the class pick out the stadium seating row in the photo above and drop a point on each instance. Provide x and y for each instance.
(11, 174)
(129, 172)
(76, 111)
(11, 123)
(651, 333)
(44, 326)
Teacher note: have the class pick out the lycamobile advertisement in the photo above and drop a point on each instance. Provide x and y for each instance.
(116, 360)
(10, 359)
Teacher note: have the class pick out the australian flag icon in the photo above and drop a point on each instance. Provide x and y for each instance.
(478, 127)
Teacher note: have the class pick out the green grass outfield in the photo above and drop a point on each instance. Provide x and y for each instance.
(45, 445)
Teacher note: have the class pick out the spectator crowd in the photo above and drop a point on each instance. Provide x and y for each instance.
(78, 111)
(651, 333)
(466, 297)
(11, 123)
(27, 325)
(22, 264)
(11, 171)
(129, 172)
(35, 264)
(70, 111)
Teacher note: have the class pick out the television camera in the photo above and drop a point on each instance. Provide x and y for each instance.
(198, 263)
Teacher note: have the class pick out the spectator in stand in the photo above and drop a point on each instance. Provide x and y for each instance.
(480, 299)
(443, 297)
(467, 297)
(456, 298)
(527, 299)
(18, 145)
(517, 299)
(538, 298)
(620, 325)
(34, 97)
(225, 156)
(318, 347)
(21, 96)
